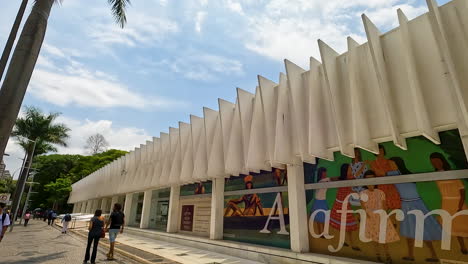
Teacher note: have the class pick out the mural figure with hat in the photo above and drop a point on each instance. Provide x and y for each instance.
(251, 202)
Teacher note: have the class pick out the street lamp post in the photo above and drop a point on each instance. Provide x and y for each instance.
(26, 203)
(21, 182)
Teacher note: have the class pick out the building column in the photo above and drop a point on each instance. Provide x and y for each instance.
(145, 212)
(115, 199)
(173, 217)
(89, 204)
(297, 209)
(217, 209)
(128, 208)
(104, 205)
(95, 205)
(83, 207)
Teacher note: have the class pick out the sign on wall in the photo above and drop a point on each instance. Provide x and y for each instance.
(187, 218)
(4, 198)
(403, 222)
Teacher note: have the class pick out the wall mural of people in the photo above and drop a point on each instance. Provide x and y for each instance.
(453, 199)
(261, 218)
(411, 200)
(393, 223)
(251, 202)
(196, 188)
(386, 167)
(335, 217)
(320, 202)
(376, 200)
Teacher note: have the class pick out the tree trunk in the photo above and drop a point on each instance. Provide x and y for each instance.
(21, 67)
(12, 37)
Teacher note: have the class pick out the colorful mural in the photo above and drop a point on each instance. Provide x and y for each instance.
(260, 218)
(406, 222)
(196, 188)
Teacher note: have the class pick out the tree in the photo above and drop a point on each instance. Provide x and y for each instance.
(73, 167)
(96, 144)
(24, 59)
(58, 190)
(12, 37)
(37, 134)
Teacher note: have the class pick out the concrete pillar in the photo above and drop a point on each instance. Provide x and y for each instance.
(115, 199)
(297, 209)
(173, 217)
(217, 209)
(96, 205)
(128, 208)
(83, 207)
(145, 212)
(104, 205)
(89, 204)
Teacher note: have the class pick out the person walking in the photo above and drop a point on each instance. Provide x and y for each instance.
(4, 220)
(45, 215)
(26, 217)
(114, 226)
(65, 221)
(49, 216)
(96, 230)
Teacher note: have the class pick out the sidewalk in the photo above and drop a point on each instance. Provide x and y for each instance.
(186, 255)
(40, 243)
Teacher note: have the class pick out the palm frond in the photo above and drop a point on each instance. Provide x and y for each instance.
(118, 8)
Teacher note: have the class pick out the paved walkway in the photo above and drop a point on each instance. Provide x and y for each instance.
(181, 254)
(39, 243)
(147, 248)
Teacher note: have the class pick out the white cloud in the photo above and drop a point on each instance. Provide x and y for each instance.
(235, 7)
(203, 67)
(124, 138)
(289, 29)
(143, 30)
(74, 84)
(199, 18)
(386, 17)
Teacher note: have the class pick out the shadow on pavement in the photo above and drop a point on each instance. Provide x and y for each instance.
(39, 259)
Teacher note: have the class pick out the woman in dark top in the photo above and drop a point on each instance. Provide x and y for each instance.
(96, 226)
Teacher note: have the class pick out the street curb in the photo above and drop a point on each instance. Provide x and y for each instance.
(120, 251)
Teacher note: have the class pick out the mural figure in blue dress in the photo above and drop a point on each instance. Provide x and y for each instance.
(411, 200)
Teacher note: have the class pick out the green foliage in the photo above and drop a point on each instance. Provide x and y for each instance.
(7, 185)
(42, 128)
(56, 174)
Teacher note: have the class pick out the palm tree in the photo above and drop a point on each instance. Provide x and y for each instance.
(45, 132)
(24, 59)
(12, 37)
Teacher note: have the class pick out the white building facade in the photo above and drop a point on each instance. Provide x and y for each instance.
(300, 170)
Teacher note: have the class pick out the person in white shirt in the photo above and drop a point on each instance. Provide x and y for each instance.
(4, 220)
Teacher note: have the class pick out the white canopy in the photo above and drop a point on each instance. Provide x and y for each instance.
(410, 81)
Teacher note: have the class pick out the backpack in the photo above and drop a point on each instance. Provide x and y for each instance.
(54, 215)
(3, 218)
(67, 218)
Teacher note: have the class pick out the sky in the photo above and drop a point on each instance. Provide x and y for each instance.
(174, 57)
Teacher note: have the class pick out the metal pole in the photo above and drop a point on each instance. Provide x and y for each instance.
(17, 199)
(27, 198)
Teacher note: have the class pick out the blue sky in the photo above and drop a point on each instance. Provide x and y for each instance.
(174, 57)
